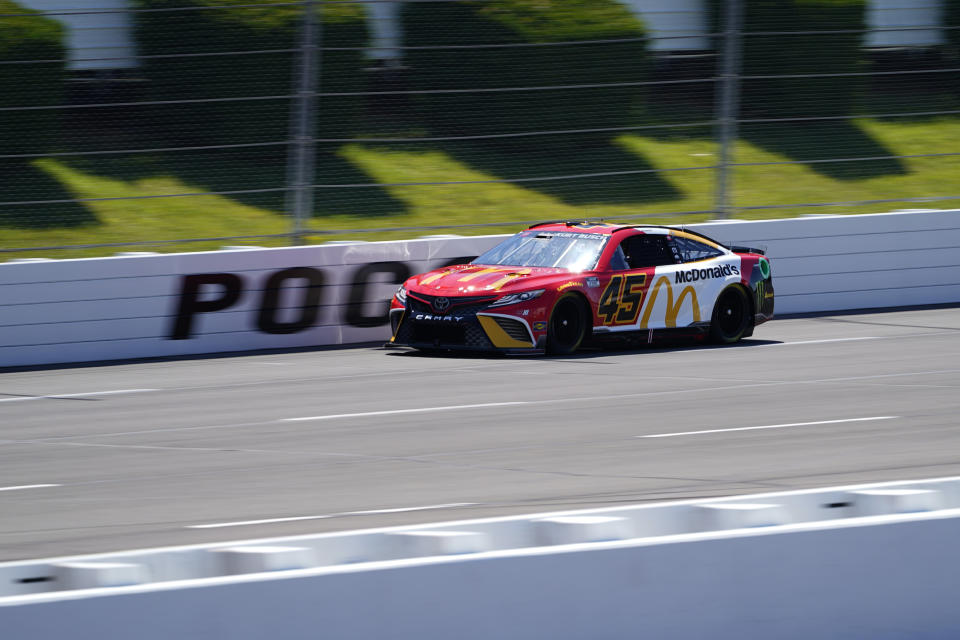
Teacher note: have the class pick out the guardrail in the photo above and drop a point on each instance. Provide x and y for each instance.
(859, 561)
(59, 311)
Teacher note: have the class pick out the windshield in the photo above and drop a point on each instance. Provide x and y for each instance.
(563, 250)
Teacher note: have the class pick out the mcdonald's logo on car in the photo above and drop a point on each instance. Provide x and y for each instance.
(673, 306)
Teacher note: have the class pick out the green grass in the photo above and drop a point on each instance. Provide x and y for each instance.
(116, 221)
(784, 185)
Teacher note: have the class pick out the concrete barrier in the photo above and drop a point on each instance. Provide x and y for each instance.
(870, 561)
(581, 528)
(833, 263)
(91, 575)
(879, 577)
(260, 558)
(58, 311)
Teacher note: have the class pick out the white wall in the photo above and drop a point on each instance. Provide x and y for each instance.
(878, 581)
(671, 22)
(126, 307)
(833, 263)
(104, 40)
(651, 523)
(892, 15)
(94, 40)
(871, 561)
(897, 22)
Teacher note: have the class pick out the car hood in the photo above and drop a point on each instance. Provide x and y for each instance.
(473, 279)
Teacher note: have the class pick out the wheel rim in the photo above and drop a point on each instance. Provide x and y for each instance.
(567, 324)
(732, 314)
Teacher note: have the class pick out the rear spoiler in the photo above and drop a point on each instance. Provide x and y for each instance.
(748, 250)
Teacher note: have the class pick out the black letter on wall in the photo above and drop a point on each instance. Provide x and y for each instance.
(358, 293)
(191, 305)
(309, 308)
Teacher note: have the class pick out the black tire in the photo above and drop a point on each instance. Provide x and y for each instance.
(568, 325)
(731, 316)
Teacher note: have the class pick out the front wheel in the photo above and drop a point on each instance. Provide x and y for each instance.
(568, 325)
(731, 316)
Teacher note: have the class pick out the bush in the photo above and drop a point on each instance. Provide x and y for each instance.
(29, 36)
(524, 22)
(815, 53)
(222, 29)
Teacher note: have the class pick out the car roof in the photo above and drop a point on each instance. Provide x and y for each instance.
(610, 228)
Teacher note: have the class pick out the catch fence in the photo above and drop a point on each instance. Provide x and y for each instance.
(168, 125)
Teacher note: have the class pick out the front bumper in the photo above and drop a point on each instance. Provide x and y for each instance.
(467, 327)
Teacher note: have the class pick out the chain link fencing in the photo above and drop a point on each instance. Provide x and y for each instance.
(179, 125)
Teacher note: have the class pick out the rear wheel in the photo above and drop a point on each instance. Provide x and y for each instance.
(731, 316)
(568, 325)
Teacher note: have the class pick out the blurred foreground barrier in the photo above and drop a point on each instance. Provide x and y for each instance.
(59, 311)
(873, 561)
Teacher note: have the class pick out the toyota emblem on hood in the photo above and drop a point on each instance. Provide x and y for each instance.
(441, 304)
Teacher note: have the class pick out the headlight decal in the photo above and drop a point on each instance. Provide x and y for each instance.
(514, 298)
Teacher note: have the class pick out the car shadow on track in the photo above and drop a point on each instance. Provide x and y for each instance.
(584, 353)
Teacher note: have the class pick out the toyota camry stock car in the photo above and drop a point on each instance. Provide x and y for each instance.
(557, 285)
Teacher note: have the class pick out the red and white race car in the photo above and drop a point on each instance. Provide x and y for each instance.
(559, 284)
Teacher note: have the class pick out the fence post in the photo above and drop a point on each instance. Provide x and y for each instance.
(728, 95)
(302, 120)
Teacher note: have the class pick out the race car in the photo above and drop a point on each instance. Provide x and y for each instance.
(559, 285)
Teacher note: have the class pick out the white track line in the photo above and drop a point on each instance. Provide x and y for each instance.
(29, 486)
(398, 411)
(769, 426)
(76, 395)
(218, 525)
(526, 403)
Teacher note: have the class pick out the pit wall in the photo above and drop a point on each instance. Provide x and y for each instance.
(138, 306)
(868, 561)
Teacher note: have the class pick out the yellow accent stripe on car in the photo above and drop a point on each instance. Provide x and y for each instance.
(435, 276)
(691, 236)
(498, 337)
(402, 316)
(476, 274)
(508, 278)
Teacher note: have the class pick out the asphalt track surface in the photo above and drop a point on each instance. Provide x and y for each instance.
(124, 456)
